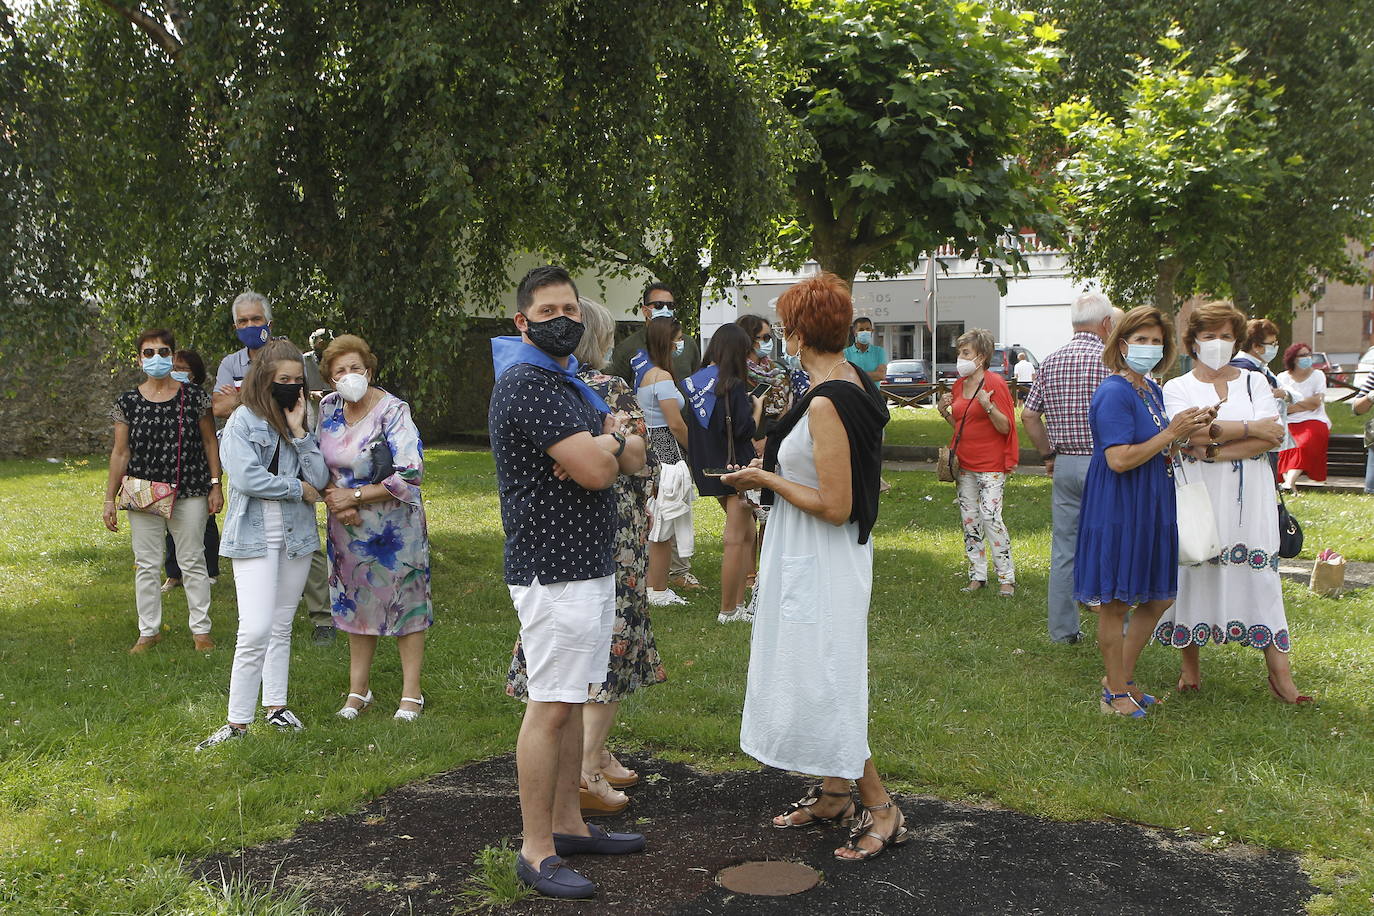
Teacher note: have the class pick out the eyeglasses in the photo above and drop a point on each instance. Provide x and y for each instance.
(661, 304)
(149, 352)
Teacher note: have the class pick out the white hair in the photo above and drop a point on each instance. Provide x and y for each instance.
(248, 297)
(1090, 309)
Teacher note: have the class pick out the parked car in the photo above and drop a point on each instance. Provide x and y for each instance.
(905, 377)
(1334, 372)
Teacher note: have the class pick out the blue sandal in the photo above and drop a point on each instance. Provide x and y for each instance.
(1109, 710)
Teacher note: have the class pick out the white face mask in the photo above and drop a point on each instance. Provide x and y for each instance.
(352, 387)
(1215, 353)
(965, 367)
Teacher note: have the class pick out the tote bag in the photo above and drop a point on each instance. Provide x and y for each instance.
(1198, 541)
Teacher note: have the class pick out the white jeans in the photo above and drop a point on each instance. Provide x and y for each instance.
(149, 533)
(268, 588)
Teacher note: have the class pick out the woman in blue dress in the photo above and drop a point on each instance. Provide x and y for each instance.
(1127, 554)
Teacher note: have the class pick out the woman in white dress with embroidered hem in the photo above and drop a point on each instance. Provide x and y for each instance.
(806, 702)
(1235, 597)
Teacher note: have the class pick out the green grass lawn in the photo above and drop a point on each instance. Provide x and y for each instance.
(102, 794)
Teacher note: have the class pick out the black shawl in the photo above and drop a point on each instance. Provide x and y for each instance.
(863, 411)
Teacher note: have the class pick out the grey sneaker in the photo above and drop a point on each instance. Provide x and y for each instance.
(323, 635)
(225, 732)
(285, 720)
(664, 598)
(739, 615)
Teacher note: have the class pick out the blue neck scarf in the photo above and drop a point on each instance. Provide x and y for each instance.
(639, 365)
(512, 351)
(701, 394)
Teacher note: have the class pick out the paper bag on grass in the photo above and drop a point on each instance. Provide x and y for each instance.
(1328, 575)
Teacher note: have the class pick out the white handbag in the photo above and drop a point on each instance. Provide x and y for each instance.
(1198, 541)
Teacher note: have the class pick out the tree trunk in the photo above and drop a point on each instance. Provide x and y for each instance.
(1240, 289)
(1167, 276)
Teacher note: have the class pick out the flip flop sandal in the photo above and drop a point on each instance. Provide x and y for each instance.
(845, 818)
(897, 837)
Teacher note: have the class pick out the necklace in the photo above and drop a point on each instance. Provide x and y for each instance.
(831, 373)
(1150, 405)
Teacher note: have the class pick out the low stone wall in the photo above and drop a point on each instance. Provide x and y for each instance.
(53, 409)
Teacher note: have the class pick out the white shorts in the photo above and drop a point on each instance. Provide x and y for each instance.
(565, 629)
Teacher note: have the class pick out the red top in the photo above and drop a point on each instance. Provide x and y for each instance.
(982, 447)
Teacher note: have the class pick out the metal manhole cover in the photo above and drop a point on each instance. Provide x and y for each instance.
(769, 879)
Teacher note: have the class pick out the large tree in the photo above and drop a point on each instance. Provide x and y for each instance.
(373, 165)
(1161, 195)
(1320, 54)
(919, 111)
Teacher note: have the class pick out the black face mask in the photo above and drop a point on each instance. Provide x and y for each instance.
(286, 395)
(557, 337)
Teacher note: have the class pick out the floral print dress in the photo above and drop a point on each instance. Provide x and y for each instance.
(634, 661)
(378, 569)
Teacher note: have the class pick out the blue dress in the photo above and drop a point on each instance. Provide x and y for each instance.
(1127, 530)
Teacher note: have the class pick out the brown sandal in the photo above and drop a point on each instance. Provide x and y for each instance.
(897, 837)
(591, 803)
(845, 818)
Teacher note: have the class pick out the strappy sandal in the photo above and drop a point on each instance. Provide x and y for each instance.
(845, 818)
(897, 837)
(410, 715)
(352, 712)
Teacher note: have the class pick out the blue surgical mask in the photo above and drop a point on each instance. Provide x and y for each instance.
(678, 347)
(183, 377)
(765, 348)
(1144, 357)
(663, 312)
(864, 337)
(157, 366)
(1304, 362)
(1270, 351)
(255, 337)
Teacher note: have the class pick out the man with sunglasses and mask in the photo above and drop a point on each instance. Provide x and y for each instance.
(630, 360)
(252, 315)
(558, 451)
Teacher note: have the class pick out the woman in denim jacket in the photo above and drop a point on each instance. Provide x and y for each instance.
(275, 475)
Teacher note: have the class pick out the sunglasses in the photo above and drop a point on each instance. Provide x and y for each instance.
(669, 304)
(149, 352)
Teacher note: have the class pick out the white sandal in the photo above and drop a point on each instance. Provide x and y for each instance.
(410, 715)
(351, 712)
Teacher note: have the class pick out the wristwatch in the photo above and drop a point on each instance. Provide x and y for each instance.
(620, 438)
(214, 481)
(358, 495)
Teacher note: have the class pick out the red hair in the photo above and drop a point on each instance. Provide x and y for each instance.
(1290, 356)
(820, 309)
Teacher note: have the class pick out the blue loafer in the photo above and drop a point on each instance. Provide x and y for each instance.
(600, 843)
(554, 879)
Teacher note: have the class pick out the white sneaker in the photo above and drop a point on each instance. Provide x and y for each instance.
(225, 732)
(739, 615)
(285, 719)
(664, 598)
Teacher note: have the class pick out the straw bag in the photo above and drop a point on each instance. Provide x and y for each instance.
(152, 496)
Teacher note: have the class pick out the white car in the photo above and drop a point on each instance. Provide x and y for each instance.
(1364, 369)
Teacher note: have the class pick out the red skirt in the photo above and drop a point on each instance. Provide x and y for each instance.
(1309, 454)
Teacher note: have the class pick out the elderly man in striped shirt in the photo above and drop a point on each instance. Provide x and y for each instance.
(1056, 420)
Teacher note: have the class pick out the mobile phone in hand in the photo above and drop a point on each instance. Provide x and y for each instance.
(761, 389)
(716, 472)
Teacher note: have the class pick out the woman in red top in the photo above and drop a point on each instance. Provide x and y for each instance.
(984, 420)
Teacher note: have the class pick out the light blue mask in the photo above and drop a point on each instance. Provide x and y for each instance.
(157, 366)
(1270, 351)
(1304, 362)
(1144, 357)
(183, 377)
(765, 348)
(662, 312)
(864, 337)
(678, 347)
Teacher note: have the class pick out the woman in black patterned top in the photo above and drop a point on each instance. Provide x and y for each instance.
(163, 431)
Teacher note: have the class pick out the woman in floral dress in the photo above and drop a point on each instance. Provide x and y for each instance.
(378, 537)
(634, 661)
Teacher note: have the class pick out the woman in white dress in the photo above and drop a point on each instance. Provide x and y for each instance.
(806, 703)
(1236, 596)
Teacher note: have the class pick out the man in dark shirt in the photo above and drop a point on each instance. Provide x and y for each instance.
(629, 360)
(558, 450)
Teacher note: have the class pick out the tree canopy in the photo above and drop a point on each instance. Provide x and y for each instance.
(919, 111)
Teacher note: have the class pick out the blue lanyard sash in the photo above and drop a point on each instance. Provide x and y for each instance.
(639, 365)
(701, 394)
(512, 351)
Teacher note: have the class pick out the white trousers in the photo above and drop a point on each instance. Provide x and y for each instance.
(268, 589)
(149, 532)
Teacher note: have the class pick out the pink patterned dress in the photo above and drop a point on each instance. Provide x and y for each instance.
(378, 569)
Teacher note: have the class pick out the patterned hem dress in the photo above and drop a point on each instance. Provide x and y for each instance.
(379, 576)
(634, 661)
(1236, 596)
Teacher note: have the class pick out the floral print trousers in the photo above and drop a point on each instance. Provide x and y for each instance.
(980, 508)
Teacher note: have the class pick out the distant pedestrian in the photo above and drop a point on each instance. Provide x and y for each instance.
(1256, 352)
(984, 441)
(864, 353)
(1308, 423)
(1360, 405)
(275, 474)
(662, 404)
(1056, 419)
(164, 437)
(1023, 373)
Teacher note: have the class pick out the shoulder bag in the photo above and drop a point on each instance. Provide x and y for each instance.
(1290, 532)
(1198, 540)
(153, 496)
(947, 467)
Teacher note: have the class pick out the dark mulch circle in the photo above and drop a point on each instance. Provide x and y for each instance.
(412, 850)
